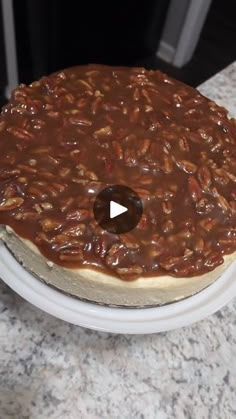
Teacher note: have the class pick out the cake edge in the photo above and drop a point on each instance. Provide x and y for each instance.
(95, 286)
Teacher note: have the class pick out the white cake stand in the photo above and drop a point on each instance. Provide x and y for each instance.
(117, 320)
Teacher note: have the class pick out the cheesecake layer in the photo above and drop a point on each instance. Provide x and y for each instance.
(66, 137)
(91, 285)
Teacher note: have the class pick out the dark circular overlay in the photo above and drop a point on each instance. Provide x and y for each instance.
(124, 196)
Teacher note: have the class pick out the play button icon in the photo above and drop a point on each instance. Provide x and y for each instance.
(117, 209)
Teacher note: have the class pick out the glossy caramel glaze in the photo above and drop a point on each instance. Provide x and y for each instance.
(66, 137)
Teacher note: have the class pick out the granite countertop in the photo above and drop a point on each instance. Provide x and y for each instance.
(51, 369)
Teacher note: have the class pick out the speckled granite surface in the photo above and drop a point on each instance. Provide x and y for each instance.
(50, 369)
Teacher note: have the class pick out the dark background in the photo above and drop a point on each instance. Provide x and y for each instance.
(54, 34)
(3, 80)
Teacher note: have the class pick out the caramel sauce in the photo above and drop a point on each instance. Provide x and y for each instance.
(66, 137)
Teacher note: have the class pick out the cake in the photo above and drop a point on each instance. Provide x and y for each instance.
(66, 137)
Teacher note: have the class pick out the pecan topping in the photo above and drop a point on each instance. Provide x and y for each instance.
(66, 137)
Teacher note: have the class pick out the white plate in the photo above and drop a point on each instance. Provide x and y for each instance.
(117, 320)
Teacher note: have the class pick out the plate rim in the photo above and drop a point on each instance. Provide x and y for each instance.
(117, 319)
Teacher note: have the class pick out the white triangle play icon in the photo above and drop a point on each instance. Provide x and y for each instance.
(116, 209)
